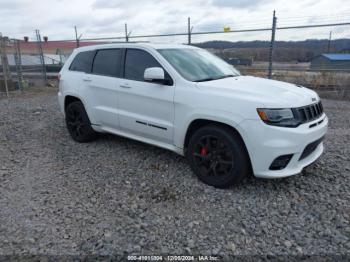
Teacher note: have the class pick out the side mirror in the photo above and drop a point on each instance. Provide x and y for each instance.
(155, 75)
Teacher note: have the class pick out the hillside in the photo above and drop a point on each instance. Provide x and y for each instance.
(285, 51)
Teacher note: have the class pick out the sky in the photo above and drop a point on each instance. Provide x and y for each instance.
(106, 18)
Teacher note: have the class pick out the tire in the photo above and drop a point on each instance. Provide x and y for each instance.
(218, 156)
(78, 123)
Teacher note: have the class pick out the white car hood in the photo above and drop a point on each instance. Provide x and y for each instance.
(269, 93)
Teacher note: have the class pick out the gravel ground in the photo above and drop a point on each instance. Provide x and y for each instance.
(116, 195)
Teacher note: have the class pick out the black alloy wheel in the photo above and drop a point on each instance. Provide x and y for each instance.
(213, 156)
(78, 123)
(218, 156)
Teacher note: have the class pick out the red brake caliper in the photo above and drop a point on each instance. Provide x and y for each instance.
(203, 151)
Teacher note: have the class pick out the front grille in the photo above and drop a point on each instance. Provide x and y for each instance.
(308, 113)
(310, 148)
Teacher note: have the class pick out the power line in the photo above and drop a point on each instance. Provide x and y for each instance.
(262, 29)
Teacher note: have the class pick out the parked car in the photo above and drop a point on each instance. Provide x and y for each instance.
(189, 101)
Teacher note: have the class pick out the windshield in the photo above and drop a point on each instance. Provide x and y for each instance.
(198, 65)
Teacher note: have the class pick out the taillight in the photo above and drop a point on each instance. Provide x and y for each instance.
(59, 77)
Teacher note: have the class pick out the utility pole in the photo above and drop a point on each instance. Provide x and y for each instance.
(76, 36)
(126, 33)
(329, 42)
(272, 43)
(189, 29)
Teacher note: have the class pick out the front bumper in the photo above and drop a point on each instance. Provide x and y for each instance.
(265, 143)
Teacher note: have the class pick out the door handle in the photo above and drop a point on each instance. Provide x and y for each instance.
(87, 79)
(125, 86)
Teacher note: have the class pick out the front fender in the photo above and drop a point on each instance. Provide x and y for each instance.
(182, 123)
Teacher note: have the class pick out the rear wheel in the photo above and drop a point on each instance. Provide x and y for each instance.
(217, 156)
(78, 123)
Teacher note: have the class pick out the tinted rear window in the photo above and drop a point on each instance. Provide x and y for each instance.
(107, 62)
(82, 62)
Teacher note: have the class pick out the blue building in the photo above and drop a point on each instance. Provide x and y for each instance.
(331, 62)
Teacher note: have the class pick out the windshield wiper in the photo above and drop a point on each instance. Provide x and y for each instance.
(213, 78)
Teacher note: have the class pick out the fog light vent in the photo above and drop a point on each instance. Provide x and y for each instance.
(281, 162)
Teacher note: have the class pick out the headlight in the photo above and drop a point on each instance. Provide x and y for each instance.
(278, 117)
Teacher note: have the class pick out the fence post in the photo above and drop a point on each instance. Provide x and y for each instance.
(76, 36)
(126, 33)
(59, 52)
(18, 61)
(4, 63)
(272, 43)
(41, 55)
(189, 29)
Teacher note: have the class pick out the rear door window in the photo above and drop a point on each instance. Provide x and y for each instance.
(82, 62)
(107, 62)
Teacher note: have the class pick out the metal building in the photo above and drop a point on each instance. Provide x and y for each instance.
(331, 62)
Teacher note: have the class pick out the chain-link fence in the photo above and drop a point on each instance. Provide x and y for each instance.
(316, 55)
(25, 64)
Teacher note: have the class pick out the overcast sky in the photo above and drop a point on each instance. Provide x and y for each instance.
(101, 18)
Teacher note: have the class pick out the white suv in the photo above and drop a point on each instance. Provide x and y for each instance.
(187, 100)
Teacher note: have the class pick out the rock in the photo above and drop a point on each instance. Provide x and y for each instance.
(299, 249)
(137, 248)
(108, 234)
(190, 243)
(188, 250)
(287, 243)
(232, 247)
(31, 240)
(164, 250)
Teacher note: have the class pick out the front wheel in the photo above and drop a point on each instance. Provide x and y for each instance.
(218, 156)
(78, 123)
